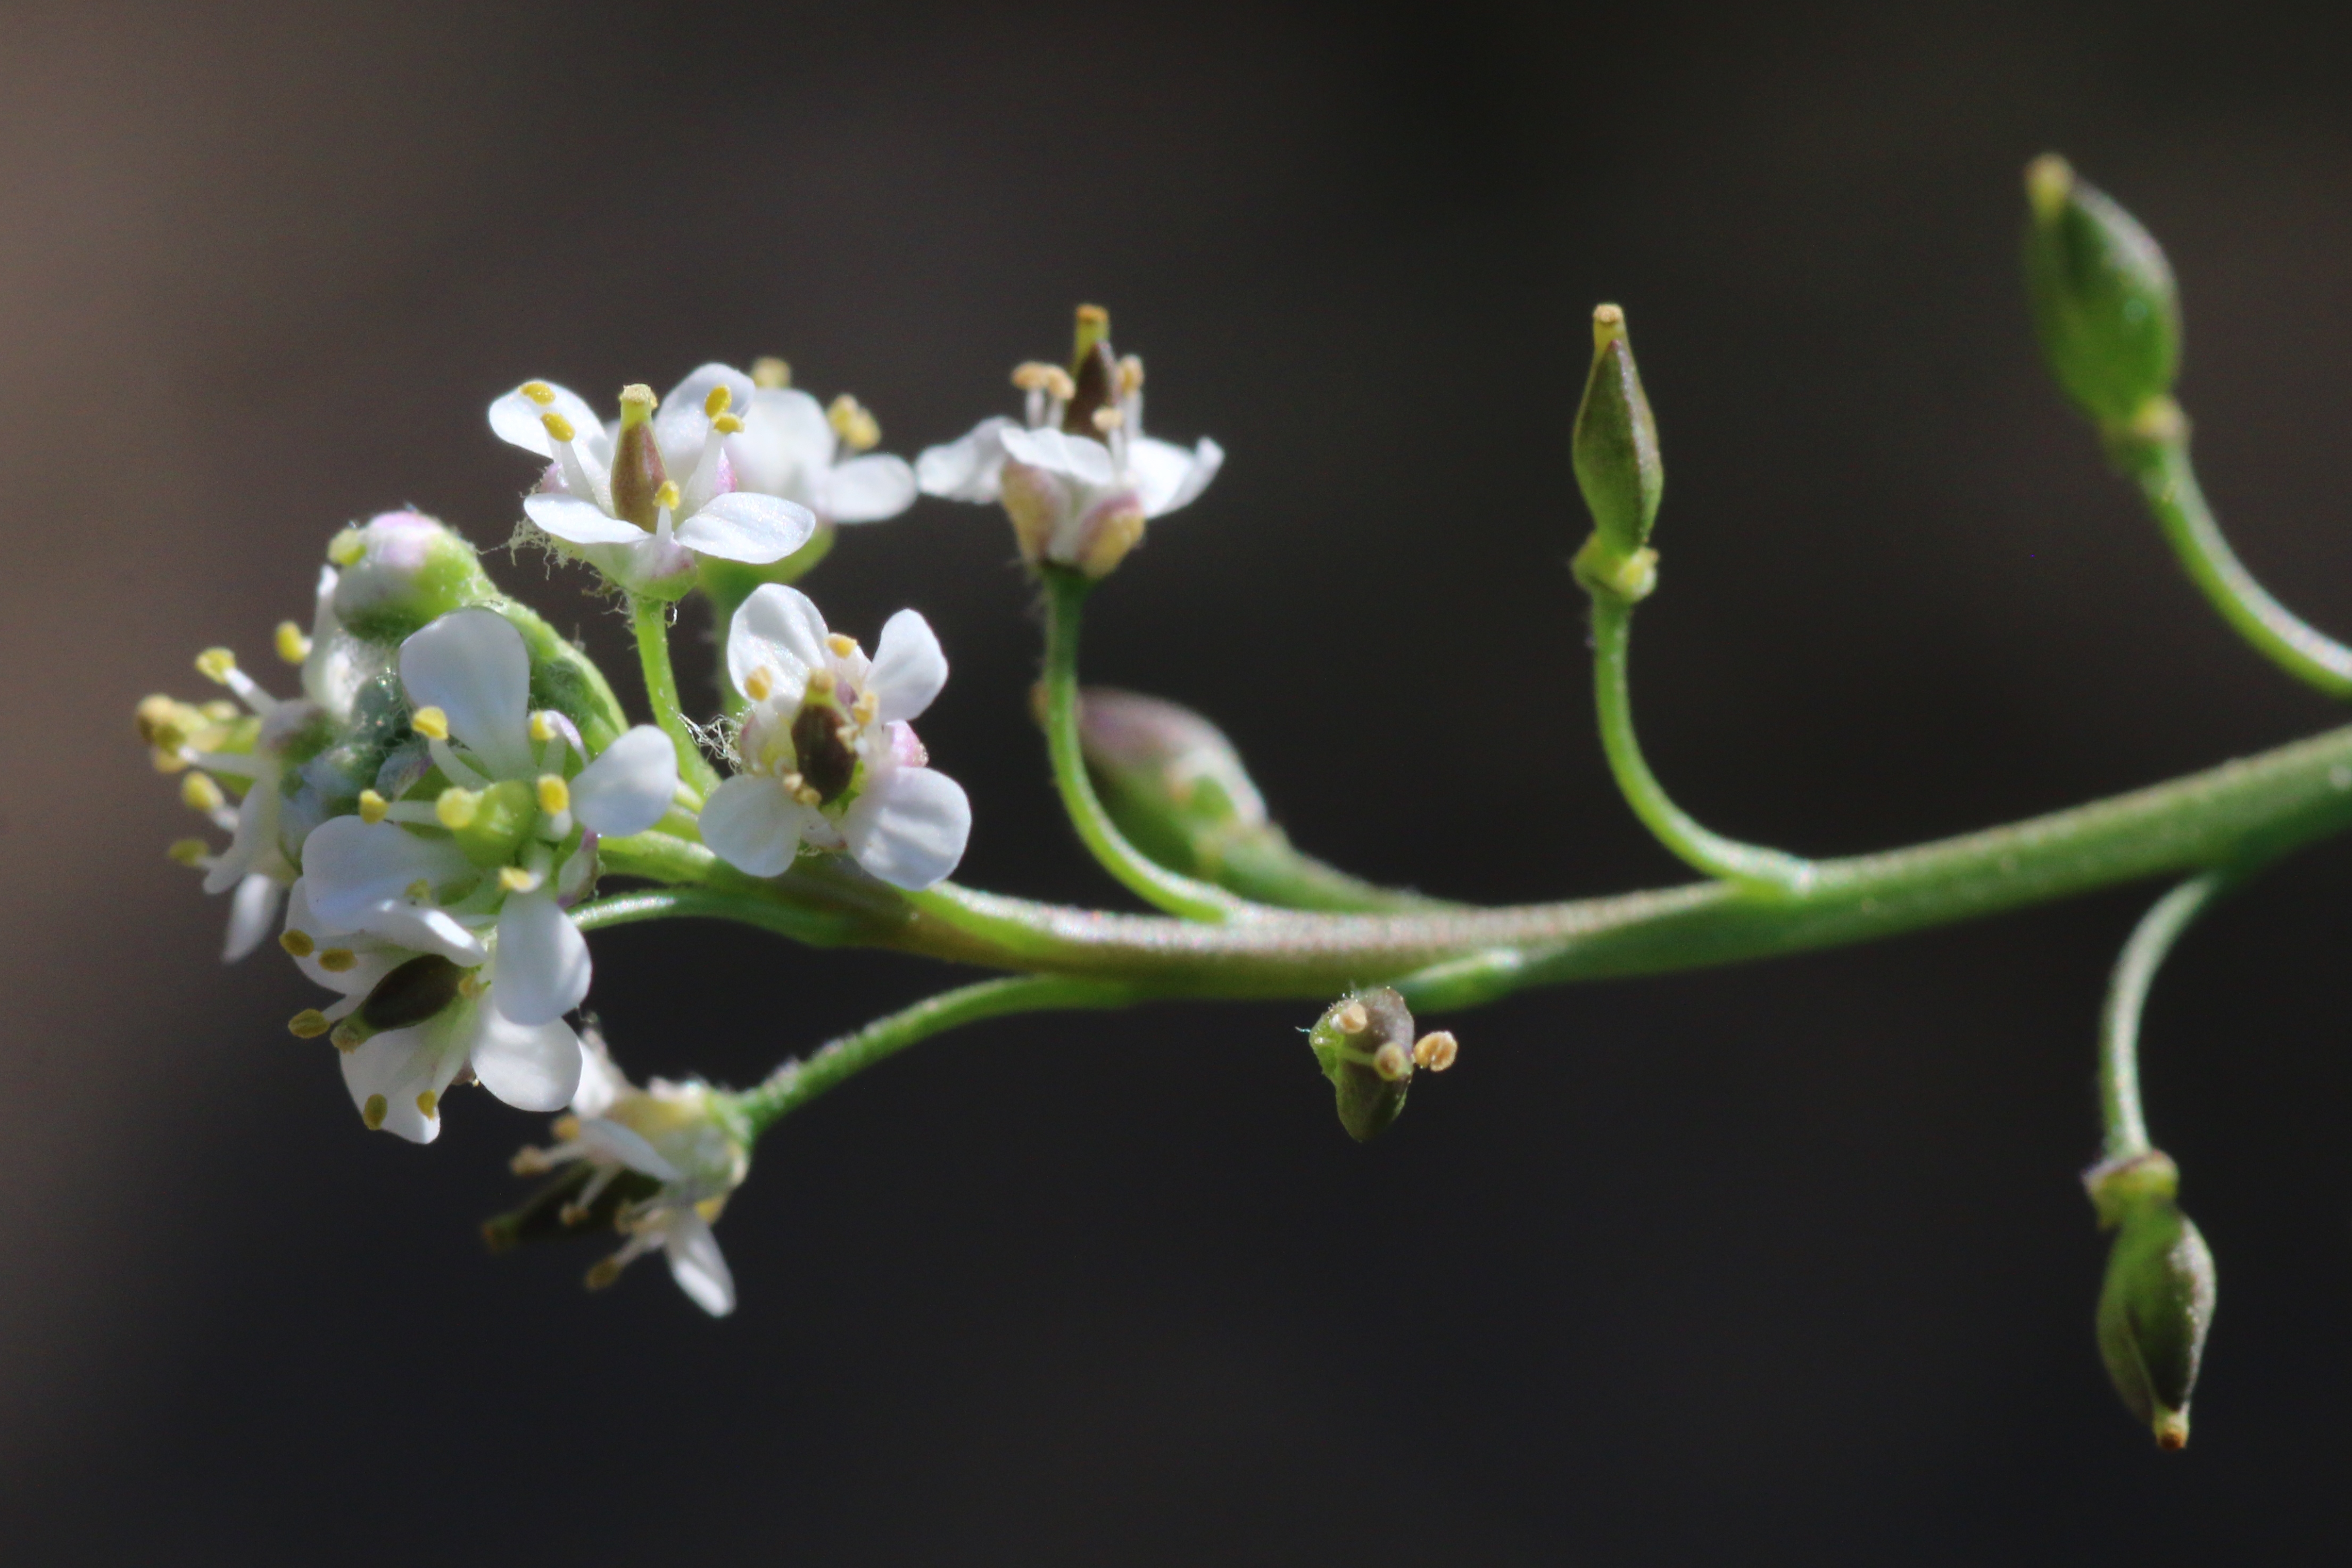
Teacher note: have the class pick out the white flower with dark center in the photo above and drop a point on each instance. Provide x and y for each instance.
(412, 1020)
(829, 759)
(1077, 476)
(250, 748)
(685, 1137)
(484, 866)
(617, 499)
(789, 444)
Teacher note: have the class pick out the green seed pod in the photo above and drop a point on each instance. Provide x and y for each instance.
(2156, 1302)
(1364, 1044)
(2104, 300)
(401, 571)
(416, 991)
(1616, 444)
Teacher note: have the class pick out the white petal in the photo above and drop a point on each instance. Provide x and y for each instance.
(696, 1264)
(749, 527)
(578, 522)
(349, 867)
(543, 967)
(531, 1067)
(472, 665)
(257, 826)
(910, 827)
(969, 468)
(681, 425)
(628, 788)
(626, 1145)
(403, 1063)
(601, 1082)
(426, 930)
(1080, 457)
(516, 420)
(752, 824)
(1167, 477)
(779, 630)
(786, 445)
(908, 667)
(250, 914)
(868, 490)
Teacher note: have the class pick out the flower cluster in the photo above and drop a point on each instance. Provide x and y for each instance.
(445, 790)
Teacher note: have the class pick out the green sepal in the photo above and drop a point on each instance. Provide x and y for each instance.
(401, 573)
(2105, 303)
(1369, 1098)
(1615, 444)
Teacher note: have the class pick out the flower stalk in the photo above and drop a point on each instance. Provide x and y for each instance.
(649, 620)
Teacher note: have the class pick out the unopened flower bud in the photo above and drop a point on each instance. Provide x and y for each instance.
(2156, 1302)
(1170, 780)
(1364, 1045)
(1616, 444)
(2104, 300)
(401, 571)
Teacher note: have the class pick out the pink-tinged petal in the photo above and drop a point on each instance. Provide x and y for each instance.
(777, 630)
(472, 665)
(1167, 477)
(910, 827)
(868, 490)
(531, 1067)
(515, 419)
(748, 527)
(630, 785)
(578, 522)
(752, 824)
(696, 1264)
(909, 669)
(543, 967)
(969, 468)
(349, 867)
(1079, 457)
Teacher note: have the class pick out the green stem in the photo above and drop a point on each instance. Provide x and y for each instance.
(1748, 864)
(2160, 465)
(649, 619)
(1066, 596)
(797, 1083)
(2142, 956)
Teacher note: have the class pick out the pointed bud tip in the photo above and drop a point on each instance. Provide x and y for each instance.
(2049, 184)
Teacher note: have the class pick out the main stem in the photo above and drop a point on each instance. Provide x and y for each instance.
(1711, 852)
(2136, 969)
(649, 619)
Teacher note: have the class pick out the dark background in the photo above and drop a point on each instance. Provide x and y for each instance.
(1784, 1263)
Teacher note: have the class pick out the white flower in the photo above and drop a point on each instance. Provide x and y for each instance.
(1078, 476)
(614, 497)
(789, 444)
(685, 1137)
(424, 1020)
(829, 759)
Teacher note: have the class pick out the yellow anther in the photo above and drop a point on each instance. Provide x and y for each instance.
(374, 1112)
(771, 372)
(346, 547)
(554, 794)
(1391, 1062)
(431, 723)
(845, 733)
(457, 807)
(807, 795)
(216, 663)
(158, 718)
(308, 1024)
(1352, 1019)
(566, 1128)
(1108, 419)
(842, 646)
(1435, 1051)
(530, 1162)
(539, 393)
(758, 684)
(558, 428)
(220, 710)
(346, 1038)
(190, 852)
(867, 707)
(572, 1213)
(514, 878)
(293, 644)
(607, 1270)
(297, 942)
(470, 986)
(792, 783)
(667, 496)
(636, 405)
(820, 683)
(1130, 375)
(728, 424)
(542, 726)
(420, 889)
(373, 808)
(850, 420)
(199, 793)
(430, 1103)
(338, 960)
(721, 399)
(1030, 376)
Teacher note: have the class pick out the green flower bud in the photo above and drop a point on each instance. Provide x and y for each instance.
(399, 572)
(1615, 445)
(2104, 300)
(1364, 1044)
(2156, 1302)
(1170, 780)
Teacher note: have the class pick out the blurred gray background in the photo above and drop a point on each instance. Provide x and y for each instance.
(1780, 1264)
